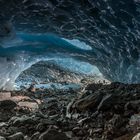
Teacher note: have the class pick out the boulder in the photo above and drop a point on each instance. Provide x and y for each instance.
(31, 105)
(35, 136)
(17, 121)
(7, 104)
(53, 135)
(106, 102)
(2, 138)
(137, 137)
(17, 136)
(5, 95)
(20, 98)
(88, 102)
(134, 122)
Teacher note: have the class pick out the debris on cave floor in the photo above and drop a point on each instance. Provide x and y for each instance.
(100, 112)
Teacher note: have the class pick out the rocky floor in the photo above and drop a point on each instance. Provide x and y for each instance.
(99, 112)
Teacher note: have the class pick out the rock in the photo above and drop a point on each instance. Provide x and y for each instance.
(116, 121)
(134, 122)
(137, 137)
(76, 130)
(16, 121)
(69, 134)
(5, 115)
(3, 124)
(2, 138)
(35, 136)
(5, 95)
(40, 127)
(125, 137)
(94, 87)
(132, 107)
(31, 105)
(17, 136)
(99, 113)
(38, 101)
(69, 109)
(53, 135)
(32, 88)
(20, 98)
(115, 127)
(7, 104)
(99, 130)
(89, 102)
(81, 121)
(27, 138)
(48, 122)
(106, 102)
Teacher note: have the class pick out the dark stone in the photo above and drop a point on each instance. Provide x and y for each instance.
(17, 136)
(53, 135)
(89, 102)
(7, 104)
(106, 103)
(35, 136)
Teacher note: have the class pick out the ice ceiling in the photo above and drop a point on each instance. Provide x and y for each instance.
(109, 32)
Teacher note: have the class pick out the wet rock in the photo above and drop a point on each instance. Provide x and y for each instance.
(31, 105)
(115, 127)
(81, 121)
(125, 137)
(137, 137)
(16, 121)
(94, 87)
(69, 109)
(41, 126)
(7, 104)
(35, 136)
(69, 134)
(52, 112)
(79, 131)
(47, 122)
(32, 88)
(106, 102)
(53, 135)
(99, 130)
(76, 130)
(12, 129)
(2, 138)
(3, 124)
(108, 112)
(26, 137)
(116, 121)
(135, 122)
(5, 115)
(132, 107)
(52, 106)
(5, 95)
(89, 102)
(17, 136)
(20, 98)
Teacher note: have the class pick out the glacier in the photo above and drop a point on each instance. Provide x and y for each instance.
(27, 49)
(96, 37)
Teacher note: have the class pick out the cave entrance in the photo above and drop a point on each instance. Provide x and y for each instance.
(60, 73)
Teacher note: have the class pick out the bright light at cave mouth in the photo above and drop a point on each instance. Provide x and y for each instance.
(68, 64)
